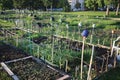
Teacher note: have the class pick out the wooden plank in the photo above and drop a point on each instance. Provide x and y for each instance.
(27, 30)
(64, 77)
(49, 65)
(98, 45)
(15, 60)
(99, 58)
(15, 77)
(9, 71)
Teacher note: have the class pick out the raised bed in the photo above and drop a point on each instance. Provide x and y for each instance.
(68, 52)
(34, 69)
(8, 52)
(25, 67)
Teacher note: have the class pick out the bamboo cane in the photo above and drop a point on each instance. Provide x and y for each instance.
(102, 64)
(107, 62)
(52, 50)
(115, 58)
(76, 70)
(60, 64)
(66, 66)
(82, 57)
(16, 40)
(91, 38)
(98, 41)
(38, 52)
(88, 77)
(84, 34)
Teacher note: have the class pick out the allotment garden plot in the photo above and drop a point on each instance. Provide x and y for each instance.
(55, 39)
(25, 66)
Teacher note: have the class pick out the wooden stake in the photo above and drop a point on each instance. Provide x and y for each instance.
(76, 70)
(79, 32)
(111, 41)
(82, 57)
(16, 40)
(67, 30)
(102, 65)
(115, 58)
(107, 62)
(38, 51)
(91, 59)
(52, 50)
(103, 42)
(60, 63)
(98, 41)
(91, 38)
(66, 66)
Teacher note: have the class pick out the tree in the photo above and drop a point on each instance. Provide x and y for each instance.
(34, 4)
(38, 4)
(18, 4)
(78, 4)
(91, 4)
(6, 4)
(46, 3)
(118, 6)
(1, 4)
(65, 5)
(51, 4)
(55, 3)
(101, 3)
(108, 3)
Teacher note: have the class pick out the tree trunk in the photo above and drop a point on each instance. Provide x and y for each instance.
(46, 8)
(51, 8)
(94, 9)
(107, 10)
(117, 11)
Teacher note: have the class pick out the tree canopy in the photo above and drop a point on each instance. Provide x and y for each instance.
(78, 4)
(64, 4)
(29, 4)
